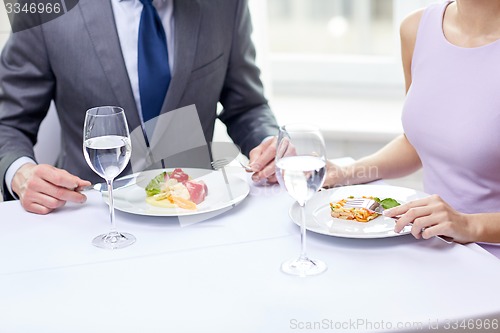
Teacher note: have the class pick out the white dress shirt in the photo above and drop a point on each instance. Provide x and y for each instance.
(127, 15)
(127, 18)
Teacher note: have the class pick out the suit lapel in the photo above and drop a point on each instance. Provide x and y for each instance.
(187, 22)
(101, 26)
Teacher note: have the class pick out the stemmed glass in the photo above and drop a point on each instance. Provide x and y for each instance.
(301, 170)
(107, 149)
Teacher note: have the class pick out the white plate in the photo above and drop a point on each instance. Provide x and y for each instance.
(319, 220)
(132, 198)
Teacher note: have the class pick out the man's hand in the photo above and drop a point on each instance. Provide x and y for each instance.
(262, 161)
(43, 188)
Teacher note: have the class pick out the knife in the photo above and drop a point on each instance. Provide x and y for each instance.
(117, 183)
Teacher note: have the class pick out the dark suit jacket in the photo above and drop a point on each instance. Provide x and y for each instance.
(76, 61)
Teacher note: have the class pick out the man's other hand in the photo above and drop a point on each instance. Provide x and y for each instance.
(262, 161)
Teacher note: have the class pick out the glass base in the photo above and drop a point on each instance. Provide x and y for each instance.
(303, 267)
(114, 240)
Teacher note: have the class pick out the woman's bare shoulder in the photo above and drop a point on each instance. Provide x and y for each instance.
(408, 33)
(409, 26)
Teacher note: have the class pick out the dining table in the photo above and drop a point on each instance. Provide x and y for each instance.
(220, 272)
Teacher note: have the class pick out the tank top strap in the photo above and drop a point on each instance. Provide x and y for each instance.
(430, 34)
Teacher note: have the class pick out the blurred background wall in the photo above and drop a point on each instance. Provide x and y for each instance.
(4, 25)
(336, 63)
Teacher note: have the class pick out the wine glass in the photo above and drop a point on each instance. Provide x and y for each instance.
(301, 170)
(107, 149)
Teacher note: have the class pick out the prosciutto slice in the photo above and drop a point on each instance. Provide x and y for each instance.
(179, 175)
(197, 190)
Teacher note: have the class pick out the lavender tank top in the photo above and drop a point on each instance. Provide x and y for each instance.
(452, 116)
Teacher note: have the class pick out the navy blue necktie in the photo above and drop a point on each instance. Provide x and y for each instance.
(154, 73)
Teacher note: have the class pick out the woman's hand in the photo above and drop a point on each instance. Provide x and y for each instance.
(432, 216)
(335, 175)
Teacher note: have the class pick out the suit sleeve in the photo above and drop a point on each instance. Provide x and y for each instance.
(26, 90)
(246, 112)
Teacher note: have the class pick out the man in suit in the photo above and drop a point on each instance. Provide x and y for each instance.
(89, 57)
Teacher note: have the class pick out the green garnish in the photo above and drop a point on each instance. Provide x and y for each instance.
(154, 186)
(387, 202)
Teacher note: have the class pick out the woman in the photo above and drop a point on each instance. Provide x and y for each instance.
(451, 119)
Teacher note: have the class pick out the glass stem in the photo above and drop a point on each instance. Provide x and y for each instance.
(303, 253)
(111, 205)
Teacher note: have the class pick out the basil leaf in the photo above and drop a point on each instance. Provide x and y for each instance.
(389, 203)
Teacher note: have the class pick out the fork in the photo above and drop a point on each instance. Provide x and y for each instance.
(220, 163)
(370, 204)
(375, 206)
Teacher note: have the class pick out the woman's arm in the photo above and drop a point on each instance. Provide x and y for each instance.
(486, 227)
(398, 158)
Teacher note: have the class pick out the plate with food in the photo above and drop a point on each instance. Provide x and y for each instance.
(326, 214)
(179, 192)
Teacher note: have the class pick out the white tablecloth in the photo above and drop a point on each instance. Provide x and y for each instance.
(223, 275)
